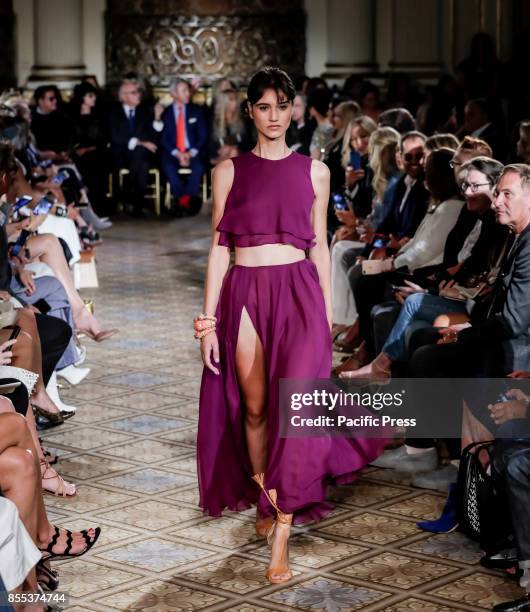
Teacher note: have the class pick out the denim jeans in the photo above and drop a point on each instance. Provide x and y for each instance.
(417, 307)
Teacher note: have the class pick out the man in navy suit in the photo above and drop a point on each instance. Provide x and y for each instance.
(184, 140)
(134, 133)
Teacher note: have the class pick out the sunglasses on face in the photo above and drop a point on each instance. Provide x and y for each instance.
(473, 187)
(413, 157)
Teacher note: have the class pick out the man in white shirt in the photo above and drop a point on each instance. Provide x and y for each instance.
(134, 134)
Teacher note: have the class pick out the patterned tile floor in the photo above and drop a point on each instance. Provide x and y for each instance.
(130, 449)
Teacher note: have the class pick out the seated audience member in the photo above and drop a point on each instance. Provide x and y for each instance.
(478, 122)
(184, 141)
(337, 155)
(382, 150)
(134, 132)
(419, 255)
(398, 118)
(359, 175)
(443, 107)
(318, 102)
(479, 177)
(369, 100)
(498, 335)
(18, 556)
(409, 203)
(439, 141)
(301, 129)
(469, 148)
(21, 484)
(511, 473)
(50, 125)
(406, 210)
(228, 133)
(523, 144)
(90, 139)
(425, 303)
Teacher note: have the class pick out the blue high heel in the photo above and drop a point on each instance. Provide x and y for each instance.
(448, 521)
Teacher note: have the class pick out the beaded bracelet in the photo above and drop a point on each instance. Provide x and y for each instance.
(201, 324)
(200, 334)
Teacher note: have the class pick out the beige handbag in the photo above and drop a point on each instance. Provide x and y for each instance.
(8, 314)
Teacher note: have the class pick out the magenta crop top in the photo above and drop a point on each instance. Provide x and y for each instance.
(270, 202)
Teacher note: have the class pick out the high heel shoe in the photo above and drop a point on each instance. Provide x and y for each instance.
(281, 572)
(73, 375)
(100, 336)
(62, 485)
(53, 417)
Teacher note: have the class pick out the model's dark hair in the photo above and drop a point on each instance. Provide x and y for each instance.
(270, 77)
(440, 176)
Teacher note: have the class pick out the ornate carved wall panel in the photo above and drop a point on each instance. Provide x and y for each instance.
(166, 38)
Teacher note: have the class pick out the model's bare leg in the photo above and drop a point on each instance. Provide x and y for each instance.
(252, 379)
(251, 374)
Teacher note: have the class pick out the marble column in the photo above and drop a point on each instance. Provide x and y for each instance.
(58, 43)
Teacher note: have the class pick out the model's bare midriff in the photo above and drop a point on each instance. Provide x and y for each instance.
(268, 255)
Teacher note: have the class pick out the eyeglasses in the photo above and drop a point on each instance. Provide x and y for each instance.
(472, 186)
(454, 163)
(413, 157)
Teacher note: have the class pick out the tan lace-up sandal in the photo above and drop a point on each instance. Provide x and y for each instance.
(280, 573)
(64, 489)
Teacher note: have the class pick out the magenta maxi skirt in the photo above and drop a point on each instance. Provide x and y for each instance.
(286, 305)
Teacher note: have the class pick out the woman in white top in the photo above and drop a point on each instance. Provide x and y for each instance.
(426, 248)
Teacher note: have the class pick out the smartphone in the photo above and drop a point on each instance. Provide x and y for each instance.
(21, 241)
(60, 177)
(42, 306)
(355, 160)
(339, 202)
(15, 333)
(380, 241)
(43, 207)
(22, 201)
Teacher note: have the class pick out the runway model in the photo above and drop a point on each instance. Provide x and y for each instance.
(268, 317)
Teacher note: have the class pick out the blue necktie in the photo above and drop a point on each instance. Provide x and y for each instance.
(130, 119)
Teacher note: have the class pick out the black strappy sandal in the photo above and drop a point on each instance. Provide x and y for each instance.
(46, 577)
(47, 553)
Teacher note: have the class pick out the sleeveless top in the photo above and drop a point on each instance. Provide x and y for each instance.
(270, 202)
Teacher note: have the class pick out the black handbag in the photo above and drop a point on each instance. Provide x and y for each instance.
(481, 512)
